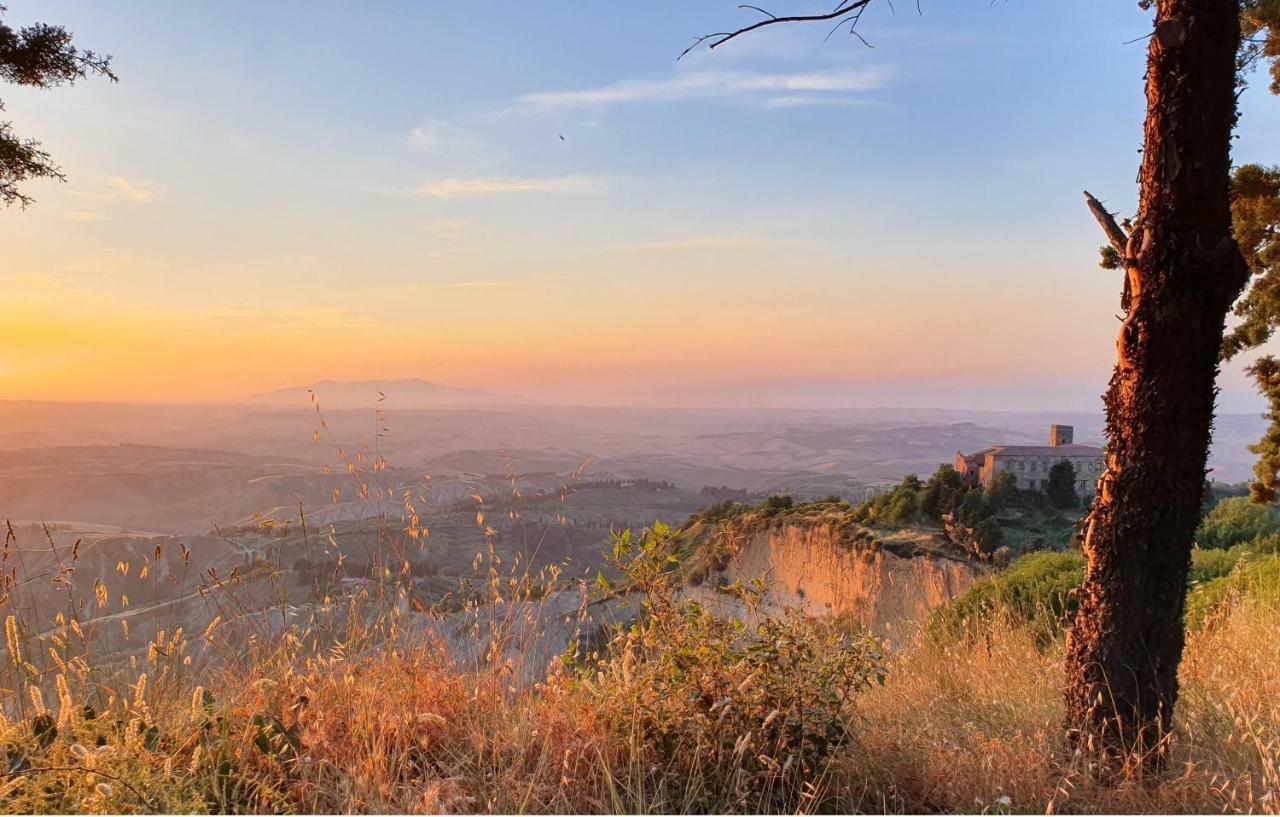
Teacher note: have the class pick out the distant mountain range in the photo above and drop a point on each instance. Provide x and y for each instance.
(408, 393)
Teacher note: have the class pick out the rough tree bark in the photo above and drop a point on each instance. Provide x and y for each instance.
(1183, 271)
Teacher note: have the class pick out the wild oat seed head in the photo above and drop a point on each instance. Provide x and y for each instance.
(37, 700)
(11, 639)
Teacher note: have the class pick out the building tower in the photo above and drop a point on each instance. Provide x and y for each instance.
(1061, 435)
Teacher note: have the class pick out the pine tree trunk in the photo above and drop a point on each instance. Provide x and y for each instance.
(1183, 272)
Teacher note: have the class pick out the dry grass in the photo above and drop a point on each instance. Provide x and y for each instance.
(975, 726)
(359, 707)
(965, 726)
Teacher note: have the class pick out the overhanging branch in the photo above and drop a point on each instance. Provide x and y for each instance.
(848, 10)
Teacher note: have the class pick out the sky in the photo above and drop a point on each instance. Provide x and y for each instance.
(540, 199)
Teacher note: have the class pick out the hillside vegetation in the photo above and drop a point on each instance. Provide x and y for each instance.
(354, 706)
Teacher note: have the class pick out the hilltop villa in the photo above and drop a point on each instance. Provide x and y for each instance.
(1030, 464)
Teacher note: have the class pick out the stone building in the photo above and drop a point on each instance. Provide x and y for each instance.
(1030, 464)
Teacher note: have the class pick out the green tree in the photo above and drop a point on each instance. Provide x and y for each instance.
(971, 523)
(1003, 489)
(900, 506)
(903, 508)
(942, 493)
(1061, 488)
(778, 503)
(1233, 521)
(1255, 220)
(1259, 24)
(43, 56)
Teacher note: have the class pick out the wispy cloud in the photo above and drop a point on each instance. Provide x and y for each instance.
(42, 280)
(486, 283)
(451, 228)
(443, 138)
(114, 188)
(455, 188)
(504, 283)
(709, 84)
(446, 252)
(139, 192)
(707, 242)
(305, 319)
(777, 103)
(82, 216)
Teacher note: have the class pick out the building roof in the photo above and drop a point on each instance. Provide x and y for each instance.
(1070, 450)
(976, 458)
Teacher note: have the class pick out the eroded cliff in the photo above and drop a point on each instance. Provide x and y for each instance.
(828, 566)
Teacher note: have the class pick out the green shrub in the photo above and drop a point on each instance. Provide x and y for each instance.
(777, 504)
(1255, 575)
(943, 493)
(726, 716)
(898, 507)
(1035, 590)
(725, 509)
(1236, 520)
(1208, 564)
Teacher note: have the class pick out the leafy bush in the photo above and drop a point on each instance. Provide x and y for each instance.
(1035, 591)
(1236, 520)
(725, 509)
(1220, 577)
(776, 504)
(727, 715)
(944, 491)
(898, 507)
(1215, 492)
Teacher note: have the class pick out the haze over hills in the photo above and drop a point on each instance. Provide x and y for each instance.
(410, 392)
(187, 468)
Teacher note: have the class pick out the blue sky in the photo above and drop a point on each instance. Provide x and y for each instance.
(277, 193)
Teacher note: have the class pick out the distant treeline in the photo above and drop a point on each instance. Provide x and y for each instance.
(723, 493)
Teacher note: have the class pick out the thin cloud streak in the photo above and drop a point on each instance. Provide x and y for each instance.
(499, 283)
(82, 216)
(712, 84)
(451, 228)
(778, 103)
(131, 190)
(707, 242)
(455, 188)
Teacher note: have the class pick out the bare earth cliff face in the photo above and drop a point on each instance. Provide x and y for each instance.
(888, 585)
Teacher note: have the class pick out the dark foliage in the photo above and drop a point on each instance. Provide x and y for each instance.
(43, 56)
(1061, 490)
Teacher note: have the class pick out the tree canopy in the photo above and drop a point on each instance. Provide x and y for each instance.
(43, 56)
(1236, 520)
(1260, 33)
(1061, 488)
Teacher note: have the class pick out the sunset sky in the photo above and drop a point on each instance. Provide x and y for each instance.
(277, 193)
